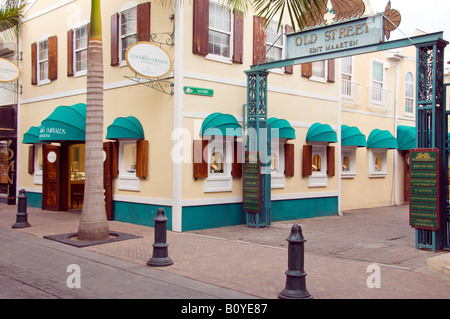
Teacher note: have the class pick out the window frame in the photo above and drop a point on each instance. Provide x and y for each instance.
(122, 59)
(278, 178)
(126, 180)
(280, 70)
(373, 155)
(325, 72)
(41, 61)
(372, 82)
(412, 97)
(38, 172)
(350, 75)
(220, 182)
(216, 57)
(319, 178)
(75, 50)
(350, 152)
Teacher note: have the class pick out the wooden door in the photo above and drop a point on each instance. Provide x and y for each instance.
(51, 194)
(108, 149)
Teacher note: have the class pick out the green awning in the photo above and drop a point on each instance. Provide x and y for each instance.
(32, 135)
(319, 132)
(352, 136)
(125, 127)
(285, 130)
(221, 124)
(381, 139)
(406, 137)
(66, 123)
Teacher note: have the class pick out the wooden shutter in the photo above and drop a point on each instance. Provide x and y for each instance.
(52, 58)
(331, 71)
(259, 40)
(289, 159)
(331, 166)
(143, 21)
(236, 169)
(115, 159)
(290, 68)
(238, 37)
(200, 163)
(307, 160)
(201, 27)
(142, 159)
(70, 52)
(34, 80)
(31, 160)
(115, 39)
(307, 70)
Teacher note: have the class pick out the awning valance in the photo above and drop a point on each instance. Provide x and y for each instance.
(221, 124)
(125, 127)
(352, 136)
(32, 135)
(285, 130)
(381, 139)
(66, 123)
(319, 132)
(406, 137)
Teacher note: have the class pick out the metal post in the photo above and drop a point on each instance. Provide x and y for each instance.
(295, 275)
(22, 215)
(160, 256)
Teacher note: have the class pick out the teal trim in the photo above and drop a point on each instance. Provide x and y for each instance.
(285, 130)
(212, 216)
(406, 137)
(140, 214)
(352, 136)
(221, 124)
(66, 123)
(319, 132)
(381, 139)
(34, 200)
(32, 135)
(125, 127)
(304, 208)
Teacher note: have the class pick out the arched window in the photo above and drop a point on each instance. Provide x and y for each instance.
(316, 163)
(346, 164)
(274, 163)
(378, 164)
(409, 93)
(216, 163)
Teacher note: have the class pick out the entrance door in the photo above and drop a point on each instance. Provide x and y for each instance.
(51, 195)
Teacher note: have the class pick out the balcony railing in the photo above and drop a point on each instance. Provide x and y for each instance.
(380, 98)
(351, 92)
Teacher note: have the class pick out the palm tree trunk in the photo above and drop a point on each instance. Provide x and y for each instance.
(93, 222)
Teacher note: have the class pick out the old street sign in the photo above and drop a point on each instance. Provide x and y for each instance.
(424, 204)
(252, 183)
(336, 37)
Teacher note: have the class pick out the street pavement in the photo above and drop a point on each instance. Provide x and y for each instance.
(363, 254)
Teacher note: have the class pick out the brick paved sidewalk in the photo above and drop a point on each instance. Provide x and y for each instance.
(252, 268)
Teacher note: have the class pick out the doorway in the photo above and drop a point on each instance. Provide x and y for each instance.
(77, 176)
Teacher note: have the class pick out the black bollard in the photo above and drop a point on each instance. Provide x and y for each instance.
(160, 256)
(295, 275)
(22, 215)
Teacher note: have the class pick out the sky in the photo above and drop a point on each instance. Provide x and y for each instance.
(427, 15)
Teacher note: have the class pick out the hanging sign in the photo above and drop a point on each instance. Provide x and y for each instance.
(336, 37)
(148, 60)
(252, 183)
(9, 71)
(424, 203)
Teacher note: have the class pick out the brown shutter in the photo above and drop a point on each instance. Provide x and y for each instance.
(70, 50)
(115, 159)
(201, 27)
(307, 160)
(142, 159)
(289, 69)
(331, 71)
(143, 21)
(259, 40)
(238, 37)
(115, 39)
(289, 159)
(31, 160)
(236, 170)
(331, 167)
(52, 58)
(34, 80)
(200, 162)
(307, 70)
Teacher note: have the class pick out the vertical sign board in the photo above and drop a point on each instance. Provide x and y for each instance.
(424, 204)
(252, 183)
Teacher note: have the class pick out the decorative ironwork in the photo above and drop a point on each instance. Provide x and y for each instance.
(392, 19)
(160, 38)
(11, 86)
(346, 9)
(425, 73)
(159, 85)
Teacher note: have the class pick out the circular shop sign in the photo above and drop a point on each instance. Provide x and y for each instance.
(51, 157)
(9, 71)
(148, 60)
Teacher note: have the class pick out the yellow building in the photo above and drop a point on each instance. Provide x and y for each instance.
(210, 48)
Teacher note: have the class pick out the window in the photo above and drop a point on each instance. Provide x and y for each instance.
(127, 166)
(377, 163)
(377, 82)
(409, 94)
(38, 164)
(4, 162)
(318, 177)
(80, 49)
(219, 163)
(128, 29)
(43, 61)
(347, 75)
(348, 157)
(277, 163)
(274, 42)
(220, 31)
